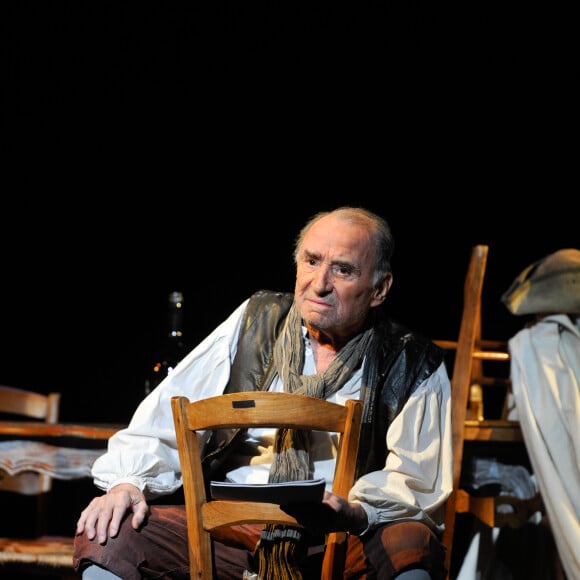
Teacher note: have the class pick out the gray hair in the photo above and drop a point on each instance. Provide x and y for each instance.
(378, 227)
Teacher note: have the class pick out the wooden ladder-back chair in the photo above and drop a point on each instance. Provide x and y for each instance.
(470, 377)
(39, 553)
(258, 409)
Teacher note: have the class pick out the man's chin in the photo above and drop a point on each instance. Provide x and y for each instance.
(316, 320)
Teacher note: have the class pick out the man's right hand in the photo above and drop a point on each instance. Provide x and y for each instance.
(102, 517)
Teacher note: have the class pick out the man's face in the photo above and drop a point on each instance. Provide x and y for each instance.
(334, 278)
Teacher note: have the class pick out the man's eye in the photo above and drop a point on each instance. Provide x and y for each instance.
(310, 263)
(342, 271)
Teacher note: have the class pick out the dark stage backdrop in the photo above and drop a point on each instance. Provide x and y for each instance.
(152, 147)
(84, 306)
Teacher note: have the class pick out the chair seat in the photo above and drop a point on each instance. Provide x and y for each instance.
(54, 551)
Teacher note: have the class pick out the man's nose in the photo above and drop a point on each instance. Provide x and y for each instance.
(322, 281)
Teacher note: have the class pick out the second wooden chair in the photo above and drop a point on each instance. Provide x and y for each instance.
(474, 369)
(39, 553)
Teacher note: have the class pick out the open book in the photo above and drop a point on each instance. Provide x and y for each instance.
(305, 490)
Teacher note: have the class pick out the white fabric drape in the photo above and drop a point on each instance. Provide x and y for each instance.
(545, 375)
(18, 456)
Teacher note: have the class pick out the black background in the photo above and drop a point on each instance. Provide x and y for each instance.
(160, 146)
(155, 146)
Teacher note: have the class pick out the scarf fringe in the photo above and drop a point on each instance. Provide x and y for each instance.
(281, 554)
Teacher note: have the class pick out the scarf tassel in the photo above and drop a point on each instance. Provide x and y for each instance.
(281, 553)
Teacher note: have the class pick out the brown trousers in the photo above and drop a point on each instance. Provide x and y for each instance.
(159, 550)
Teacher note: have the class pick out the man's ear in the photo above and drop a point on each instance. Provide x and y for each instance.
(382, 289)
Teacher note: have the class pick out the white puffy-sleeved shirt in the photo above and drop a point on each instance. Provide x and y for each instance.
(414, 484)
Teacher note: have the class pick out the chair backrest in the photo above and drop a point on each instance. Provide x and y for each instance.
(26, 404)
(475, 369)
(258, 409)
(21, 404)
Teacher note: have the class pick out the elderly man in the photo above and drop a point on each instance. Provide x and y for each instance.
(331, 338)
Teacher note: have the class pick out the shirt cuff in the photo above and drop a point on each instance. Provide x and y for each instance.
(138, 483)
(372, 518)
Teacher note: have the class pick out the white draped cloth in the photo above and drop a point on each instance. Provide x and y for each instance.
(18, 456)
(545, 376)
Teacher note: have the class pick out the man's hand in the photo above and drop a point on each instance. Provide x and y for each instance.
(102, 517)
(334, 514)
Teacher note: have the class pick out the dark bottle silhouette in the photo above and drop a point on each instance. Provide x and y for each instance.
(173, 348)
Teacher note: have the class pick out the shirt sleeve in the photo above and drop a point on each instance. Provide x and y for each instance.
(145, 452)
(418, 474)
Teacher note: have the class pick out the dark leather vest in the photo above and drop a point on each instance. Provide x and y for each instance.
(397, 362)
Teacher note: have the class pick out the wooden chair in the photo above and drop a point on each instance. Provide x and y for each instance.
(40, 553)
(26, 404)
(475, 369)
(258, 409)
